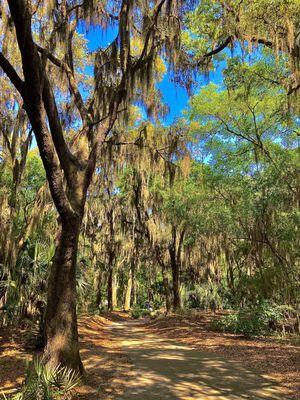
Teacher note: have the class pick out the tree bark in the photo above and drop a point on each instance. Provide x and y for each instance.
(114, 291)
(166, 288)
(164, 272)
(61, 322)
(109, 290)
(99, 290)
(134, 288)
(176, 285)
(127, 301)
(174, 258)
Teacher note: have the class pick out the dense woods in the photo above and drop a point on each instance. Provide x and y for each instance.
(105, 206)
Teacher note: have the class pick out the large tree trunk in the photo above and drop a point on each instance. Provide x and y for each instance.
(175, 248)
(112, 288)
(166, 288)
(114, 291)
(134, 286)
(61, 321)
(110, 284)
(127, 301)
(175, 272)
(176, 286)
(99, 290)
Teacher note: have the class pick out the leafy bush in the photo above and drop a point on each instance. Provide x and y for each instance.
(204, 297)
(139, 312)
(44, 383)
(254, 321)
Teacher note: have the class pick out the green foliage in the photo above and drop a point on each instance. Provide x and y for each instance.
(45, 383)
(253, 321)
(139, 312)
(205, 297)
(26, 289)
(249, 139)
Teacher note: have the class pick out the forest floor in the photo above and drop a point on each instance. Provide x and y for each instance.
(175, 357)
(275, 359)
(106, 367)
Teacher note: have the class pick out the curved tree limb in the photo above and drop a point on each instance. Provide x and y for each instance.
(216, 50)
(78, 100)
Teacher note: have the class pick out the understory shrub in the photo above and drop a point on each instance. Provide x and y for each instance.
(254, 321)
(44, 383)
(204, 297)
(140, 312)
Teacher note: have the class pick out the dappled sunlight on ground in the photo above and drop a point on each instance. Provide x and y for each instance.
(106, 368)
(164, 369)
(278, 360)
(12, 361)
(175, 357)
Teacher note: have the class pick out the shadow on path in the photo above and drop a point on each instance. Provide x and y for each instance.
(164, 369)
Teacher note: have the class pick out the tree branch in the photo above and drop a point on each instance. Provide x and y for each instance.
(157, 10)
(63, 152)
(33, 88)
(216, 50)
(11, 73)
(72, 84)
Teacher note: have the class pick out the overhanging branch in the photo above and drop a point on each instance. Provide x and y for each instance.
(11, 73)
(72, 84)
(216, 50)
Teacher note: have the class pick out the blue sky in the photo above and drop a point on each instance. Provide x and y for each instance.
(177, 98)
(174, 96)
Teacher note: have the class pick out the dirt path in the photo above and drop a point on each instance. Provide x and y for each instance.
(105, 365)
(127, 359)
(165, 369)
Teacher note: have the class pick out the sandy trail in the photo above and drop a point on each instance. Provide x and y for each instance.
(158, 368)
(164, 369)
